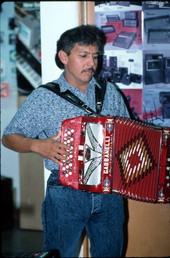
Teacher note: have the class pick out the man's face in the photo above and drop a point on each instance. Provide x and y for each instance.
(80, 65)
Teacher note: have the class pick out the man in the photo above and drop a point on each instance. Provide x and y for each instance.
(35, 128)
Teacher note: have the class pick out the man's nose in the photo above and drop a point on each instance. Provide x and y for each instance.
(92, 61)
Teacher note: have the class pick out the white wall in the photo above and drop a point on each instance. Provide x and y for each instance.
(56, 17)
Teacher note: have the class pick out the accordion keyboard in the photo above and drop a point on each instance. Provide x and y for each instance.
(68, 163)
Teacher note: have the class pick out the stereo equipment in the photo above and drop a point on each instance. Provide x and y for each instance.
(158, 36)
(116, 75)
(125, 39)
(131, 15)
(112, 17)
(104, 61)
(123, 3)
(167, 70)
(154, 69)
(126, 79)
(155, 4)
(112, 2)
(158, 22)
(131, 19)
(119, 155)
(165, 101)
(123, 70)
(136, 78)
(130, 23)
(105, 73)
(113, 61)
(107, 29)
(124, 75)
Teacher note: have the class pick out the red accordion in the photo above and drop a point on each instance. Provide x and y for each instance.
(116, 154)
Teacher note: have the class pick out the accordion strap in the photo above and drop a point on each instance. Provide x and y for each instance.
(100, 93)
(69, 96)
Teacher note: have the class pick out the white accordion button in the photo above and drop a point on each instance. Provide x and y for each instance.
(81, 147)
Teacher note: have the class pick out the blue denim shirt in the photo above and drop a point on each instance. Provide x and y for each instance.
(41, 114)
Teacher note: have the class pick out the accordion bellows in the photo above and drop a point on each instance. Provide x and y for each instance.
(117, 155)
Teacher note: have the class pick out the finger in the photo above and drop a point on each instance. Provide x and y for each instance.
(62, 153)
(63, 147)
(57, 136)
(60, 145)
(57, 161)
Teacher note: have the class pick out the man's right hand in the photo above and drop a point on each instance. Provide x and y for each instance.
(52, 149)
(49, 148)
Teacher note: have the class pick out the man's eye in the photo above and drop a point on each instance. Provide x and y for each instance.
(83, 56)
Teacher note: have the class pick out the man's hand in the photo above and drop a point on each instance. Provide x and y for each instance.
(48, 148)
(52, 149)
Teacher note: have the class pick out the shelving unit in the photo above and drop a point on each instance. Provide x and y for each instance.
(28, 46)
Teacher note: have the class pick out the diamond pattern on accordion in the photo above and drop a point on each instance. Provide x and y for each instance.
(135, 159)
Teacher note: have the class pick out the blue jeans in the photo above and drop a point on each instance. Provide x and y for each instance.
(66, 212)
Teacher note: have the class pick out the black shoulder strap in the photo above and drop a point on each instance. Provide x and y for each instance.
(69, 96)
(100, 93)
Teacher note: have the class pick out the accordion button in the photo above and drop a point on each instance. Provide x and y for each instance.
(80, 158)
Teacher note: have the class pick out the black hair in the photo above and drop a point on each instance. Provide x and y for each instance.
(84, 35)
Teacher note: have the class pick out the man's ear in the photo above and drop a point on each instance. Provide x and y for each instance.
(63, 56)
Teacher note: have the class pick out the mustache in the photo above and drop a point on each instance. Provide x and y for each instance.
(88, 69)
